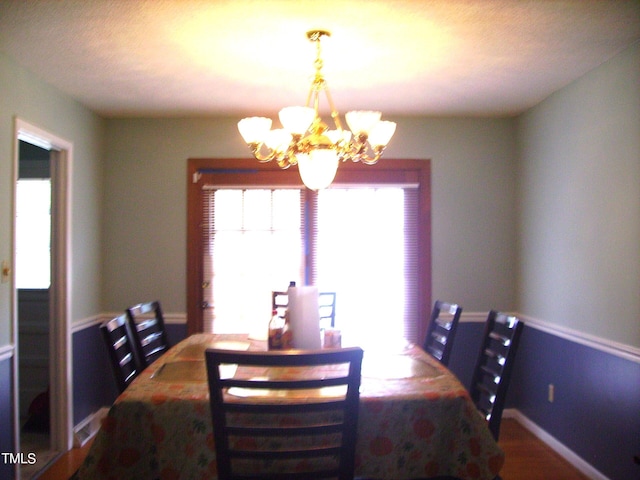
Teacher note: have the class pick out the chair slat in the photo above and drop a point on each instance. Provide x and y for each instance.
(289, 430)
(326, 306)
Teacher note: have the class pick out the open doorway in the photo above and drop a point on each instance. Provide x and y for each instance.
(40, 309)
(33, 281)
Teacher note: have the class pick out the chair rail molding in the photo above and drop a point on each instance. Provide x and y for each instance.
(169, 318)
(627, 352)
(618, 349)
(6, 352)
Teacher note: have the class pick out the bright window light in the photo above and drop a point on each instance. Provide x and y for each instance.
(256, 248)
(33, 233)
(361, 256)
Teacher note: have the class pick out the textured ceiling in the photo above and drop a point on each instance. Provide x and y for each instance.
(422, 57)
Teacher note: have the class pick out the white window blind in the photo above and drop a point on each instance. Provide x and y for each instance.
(253, 244)
(360, 242)
(366, 250)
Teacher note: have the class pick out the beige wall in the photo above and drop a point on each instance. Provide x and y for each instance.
(579, 193)
(473, 204)
(22, 95)
(538, 214)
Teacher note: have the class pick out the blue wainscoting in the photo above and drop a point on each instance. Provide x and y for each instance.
(596, 409)
(464, 354)
(176, 332)
(94, 385)
(6, 415)
(595, 413)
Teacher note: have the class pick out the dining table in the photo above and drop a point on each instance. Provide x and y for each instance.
(416, 420)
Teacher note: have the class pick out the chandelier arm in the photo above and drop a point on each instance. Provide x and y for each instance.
(316, 103)
(357, 151)
(358, 147)
(283, 159)
(310, 95)
(255, 150)
(284, 163)
(367, 160)
(334, 113)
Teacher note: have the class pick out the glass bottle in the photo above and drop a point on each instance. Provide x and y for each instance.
(276, 328)
(287, 333)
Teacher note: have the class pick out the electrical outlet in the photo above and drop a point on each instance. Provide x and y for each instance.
(551, 393)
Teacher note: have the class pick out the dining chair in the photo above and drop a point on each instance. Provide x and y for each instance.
(492, 373)
(146, 322)
(326, 306)
(279, 301)
(297, 419)
(117, 338)
(442, 330)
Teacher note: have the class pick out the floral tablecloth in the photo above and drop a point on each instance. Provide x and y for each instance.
(416, 420)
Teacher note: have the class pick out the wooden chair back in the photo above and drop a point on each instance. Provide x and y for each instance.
(146, 322)
(326, 306)
(117, 338)
(264, 424)
(492, 372)
(442, 330)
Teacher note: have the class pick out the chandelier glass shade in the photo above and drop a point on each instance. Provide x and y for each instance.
(305, 140)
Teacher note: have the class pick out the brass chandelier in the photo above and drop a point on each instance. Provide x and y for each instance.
(305, 140)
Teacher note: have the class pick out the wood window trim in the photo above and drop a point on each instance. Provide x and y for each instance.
(235, 172)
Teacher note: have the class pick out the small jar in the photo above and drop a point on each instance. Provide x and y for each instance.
(332, 338)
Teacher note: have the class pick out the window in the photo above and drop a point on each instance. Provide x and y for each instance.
(364, 246)
(253, 245)
(33, 233)
(252, 229)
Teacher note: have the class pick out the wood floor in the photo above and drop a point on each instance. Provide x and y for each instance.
(527, 458)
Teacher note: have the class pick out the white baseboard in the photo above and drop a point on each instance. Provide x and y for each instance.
(87, 428)
(569, 455)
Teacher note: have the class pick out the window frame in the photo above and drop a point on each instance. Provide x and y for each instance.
(241, 173)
